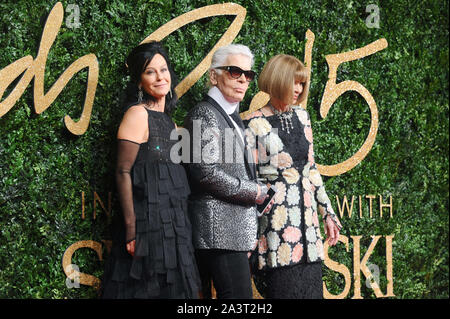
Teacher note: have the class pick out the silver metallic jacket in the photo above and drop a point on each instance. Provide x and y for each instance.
(222, 203)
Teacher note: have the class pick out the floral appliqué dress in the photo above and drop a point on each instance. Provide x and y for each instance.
(290, 247)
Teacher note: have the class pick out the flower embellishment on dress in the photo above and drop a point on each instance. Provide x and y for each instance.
(272, 259)
(319, 248)
(312, 252)
(281, 161)
(273, 143)
(273, 241)
(261, 262)
(291, 175)
(294, 216)
(322, 195)
(280, 194)
(292, 234)
(260, 126)
(311, 234)
(262, 245)
(284, 254)
(308, 217)
(297, 253)
(269, 172)
(293, 195)
(308, 134)
(314, 177)
(279, 218)
(302, 115)
(250, 138)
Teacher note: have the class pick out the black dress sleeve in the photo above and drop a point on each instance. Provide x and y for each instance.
(126, 155)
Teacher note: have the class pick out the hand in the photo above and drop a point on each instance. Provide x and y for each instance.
(332, 231)
(262, 194)
(130, 247)
(254, 247)
(269, 206)
(259, 191)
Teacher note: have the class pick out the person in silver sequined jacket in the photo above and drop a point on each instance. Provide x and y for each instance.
(223, 179)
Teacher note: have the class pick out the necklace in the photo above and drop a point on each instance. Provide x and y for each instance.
(284, 117)
(150, 105)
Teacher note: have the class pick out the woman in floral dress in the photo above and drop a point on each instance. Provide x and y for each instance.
(290, 248)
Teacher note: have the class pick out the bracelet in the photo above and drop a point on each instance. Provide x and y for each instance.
(129, 241)
(329, 215)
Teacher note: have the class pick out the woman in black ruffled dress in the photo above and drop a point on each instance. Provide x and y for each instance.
(152, 253)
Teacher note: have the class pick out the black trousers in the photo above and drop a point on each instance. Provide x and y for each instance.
(229, 271)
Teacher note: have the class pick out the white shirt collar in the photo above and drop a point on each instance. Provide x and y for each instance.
(228, 107)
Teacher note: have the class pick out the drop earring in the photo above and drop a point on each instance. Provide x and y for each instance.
(140, 96)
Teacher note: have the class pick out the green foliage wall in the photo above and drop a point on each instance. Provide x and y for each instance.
(44, 169)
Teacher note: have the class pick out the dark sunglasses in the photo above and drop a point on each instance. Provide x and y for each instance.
(236, 72)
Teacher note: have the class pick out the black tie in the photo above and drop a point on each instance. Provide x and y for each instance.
(235, 116)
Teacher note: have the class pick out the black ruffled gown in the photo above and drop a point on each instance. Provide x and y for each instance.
(163, 265)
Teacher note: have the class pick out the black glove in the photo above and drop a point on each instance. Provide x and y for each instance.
(126, 155)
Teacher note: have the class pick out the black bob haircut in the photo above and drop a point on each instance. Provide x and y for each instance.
(137, 61)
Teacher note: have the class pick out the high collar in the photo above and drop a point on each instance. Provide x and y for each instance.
(228, 107)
